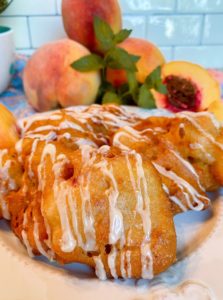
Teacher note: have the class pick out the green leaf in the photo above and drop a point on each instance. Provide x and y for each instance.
(118, 58)
(111, 97)
(154, 81)
(104, 87)
(88, 63)
(122, 35)
(146, 99)
(133, 84)
(123, 88)
(161, 88)
(154, 78)
(135, 58)
(104, 34)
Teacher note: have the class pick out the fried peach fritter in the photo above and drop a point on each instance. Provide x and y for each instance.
(73, 198)
(105, 208)
(180, 180)
(198, 139)
(92, 126)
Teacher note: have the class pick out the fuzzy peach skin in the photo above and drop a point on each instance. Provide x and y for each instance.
(78, 16)
(8, 129)
(151, 57)
(208, 89)
(49, 80)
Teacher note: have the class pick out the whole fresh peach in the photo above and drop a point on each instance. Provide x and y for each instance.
(151, 57)
(78, 17)
(51, 82)
(8, 130)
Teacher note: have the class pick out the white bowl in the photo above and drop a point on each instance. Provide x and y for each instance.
(6, 56)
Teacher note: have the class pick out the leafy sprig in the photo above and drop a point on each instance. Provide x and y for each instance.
(113, 57)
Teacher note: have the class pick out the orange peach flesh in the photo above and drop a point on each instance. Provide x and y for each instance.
(151, 57)
(216, 108)
(78, 19)
(208, 87)
(8, 130)
(49, 80)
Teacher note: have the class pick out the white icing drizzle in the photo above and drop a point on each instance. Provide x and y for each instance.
(33, 150)
(174, 199)
(42, 128)
(88, 158)
(122, 264)
(25, 237)
(112, 262)
(50, 150)
(18, 148)
(4, 177)
(113, 120)
(129, 265)
(82, 142)
(116, 232)
(64, 197)
(25, 124)
(4, 207)
(67, 124)
(99, 268)
(189, 167)
(129, 133)
(67, 135)
(165, 188)
(87, 215)
(143, 208)
(205, 154)
(73, 209)
(49, 254)
(178, 202)
(82, 118)
(183, 185)
(201, 130)
(43, 137)
(87, 153)
(204, 114)
(62, 192)
(181, 126)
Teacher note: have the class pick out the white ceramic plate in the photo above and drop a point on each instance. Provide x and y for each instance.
(197, 275)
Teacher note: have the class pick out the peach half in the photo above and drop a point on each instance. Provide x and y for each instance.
(216, 108)
(51, 82)
(190, 87)
(150, 58)
(8, 130)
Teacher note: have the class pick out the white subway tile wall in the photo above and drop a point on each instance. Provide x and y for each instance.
(183, 29)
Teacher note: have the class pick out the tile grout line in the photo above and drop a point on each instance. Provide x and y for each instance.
(202, 29)
(29, 32)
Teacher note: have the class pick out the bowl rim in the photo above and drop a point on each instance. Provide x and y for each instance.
(4, 30)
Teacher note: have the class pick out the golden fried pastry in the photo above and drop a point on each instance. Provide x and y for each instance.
(179, 178)
(102, 207)
(198, 139)
(10, 178)
(100, 186)
(93, 125)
